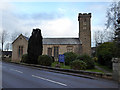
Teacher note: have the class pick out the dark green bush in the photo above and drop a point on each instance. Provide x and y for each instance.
(45, 60)
(69, 57)
(95, 59)
(78, 65)
(53, 60)
(24, 58)
(105, 52)
(87, 59)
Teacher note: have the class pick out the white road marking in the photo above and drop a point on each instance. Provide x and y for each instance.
(16, 70)
(49, 80)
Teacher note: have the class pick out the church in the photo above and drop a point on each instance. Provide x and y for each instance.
(55, 46)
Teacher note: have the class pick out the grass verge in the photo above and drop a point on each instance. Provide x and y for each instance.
(103, 67)
(68, 67)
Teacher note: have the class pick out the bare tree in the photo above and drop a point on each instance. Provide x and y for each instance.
(14, 35)
(3, 38)
(7, 46)
(112, 16)
(99, 37)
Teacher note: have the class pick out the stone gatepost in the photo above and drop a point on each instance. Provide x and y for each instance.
(116, 69)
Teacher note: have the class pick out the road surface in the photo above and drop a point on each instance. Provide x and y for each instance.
(20, 76)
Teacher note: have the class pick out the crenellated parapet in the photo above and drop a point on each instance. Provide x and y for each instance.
(82, 15)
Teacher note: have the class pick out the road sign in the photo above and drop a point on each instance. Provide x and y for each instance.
(61, 58)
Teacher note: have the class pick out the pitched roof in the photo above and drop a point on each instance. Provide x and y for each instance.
(59, 41)
(26, 38)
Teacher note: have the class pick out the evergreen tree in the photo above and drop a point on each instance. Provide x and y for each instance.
(34, 46)
(117, 38)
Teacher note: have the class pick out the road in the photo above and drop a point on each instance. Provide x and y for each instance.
(19, 76)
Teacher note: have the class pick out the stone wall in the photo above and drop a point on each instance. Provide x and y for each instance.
(20, 41)
(116, 69)
(62, 48)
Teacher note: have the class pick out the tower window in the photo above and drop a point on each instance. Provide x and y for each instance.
(84, 28)
(85, 22)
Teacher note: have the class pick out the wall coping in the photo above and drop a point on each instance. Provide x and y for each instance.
(116, 60)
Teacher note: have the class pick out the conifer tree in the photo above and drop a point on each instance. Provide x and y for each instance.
(117, 38)
(34, 46)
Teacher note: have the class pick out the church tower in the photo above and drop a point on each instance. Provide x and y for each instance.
(85, 32)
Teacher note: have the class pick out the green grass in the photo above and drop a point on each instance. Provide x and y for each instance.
(104, 67)
(54, 63)
(61, 65)
(94, 70)
(65, 67)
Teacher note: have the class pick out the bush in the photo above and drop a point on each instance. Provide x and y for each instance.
(24, 58)
(45, 60)
(95, 59)
(78, 65)
(88, 60)
(53, 60)
(105, 52)
(69, 57)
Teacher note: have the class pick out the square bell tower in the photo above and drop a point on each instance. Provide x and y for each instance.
(85, 32)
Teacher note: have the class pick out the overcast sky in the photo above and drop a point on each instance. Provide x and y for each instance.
(55, 19)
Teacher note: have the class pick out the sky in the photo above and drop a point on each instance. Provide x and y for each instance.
(55, 19)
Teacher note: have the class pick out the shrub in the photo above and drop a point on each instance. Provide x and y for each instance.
(78, 65)
(45, 60)
(88, 60)
(53, 60)
(105, 52)
(24, 58)
(69, 57)
(95, 59)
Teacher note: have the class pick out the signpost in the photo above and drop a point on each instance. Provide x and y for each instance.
(61, 58)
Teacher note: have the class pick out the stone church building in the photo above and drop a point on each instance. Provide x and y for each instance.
(56, 46)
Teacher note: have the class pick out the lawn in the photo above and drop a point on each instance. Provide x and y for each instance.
(94, 70)
(104, 67)
(68, 67)
(61, 65)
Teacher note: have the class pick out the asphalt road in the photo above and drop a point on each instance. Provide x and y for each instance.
(19, 76)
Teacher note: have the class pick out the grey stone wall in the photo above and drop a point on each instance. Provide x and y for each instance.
(116, 69)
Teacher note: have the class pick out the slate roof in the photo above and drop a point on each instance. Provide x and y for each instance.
(26, 38)
(59, 41)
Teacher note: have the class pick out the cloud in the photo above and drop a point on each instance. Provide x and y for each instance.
(40, 16)
(51, 26)
(63, 27)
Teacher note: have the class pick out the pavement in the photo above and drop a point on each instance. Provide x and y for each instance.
(20, 76)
